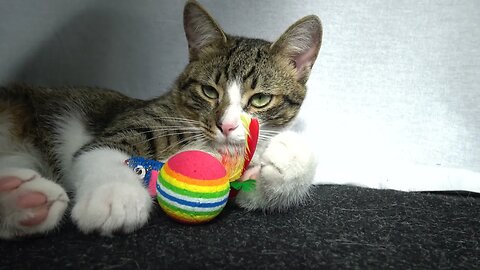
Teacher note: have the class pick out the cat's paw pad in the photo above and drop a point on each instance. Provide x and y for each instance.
(112, 207)
(29, 203)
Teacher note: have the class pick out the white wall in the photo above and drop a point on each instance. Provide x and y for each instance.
(392, 99)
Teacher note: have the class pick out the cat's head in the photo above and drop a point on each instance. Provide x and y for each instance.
(228, 75)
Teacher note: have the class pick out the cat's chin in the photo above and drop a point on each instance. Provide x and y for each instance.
(230, 148)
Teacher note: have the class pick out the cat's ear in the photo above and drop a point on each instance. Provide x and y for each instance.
(299, 46)
(201, 30)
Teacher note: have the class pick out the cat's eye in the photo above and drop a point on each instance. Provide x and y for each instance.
(210, 91)
(260, 100)
(140, 171)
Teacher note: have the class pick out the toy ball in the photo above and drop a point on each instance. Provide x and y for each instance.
(193, 187)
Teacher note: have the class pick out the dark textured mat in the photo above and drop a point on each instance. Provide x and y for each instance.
(341, 227)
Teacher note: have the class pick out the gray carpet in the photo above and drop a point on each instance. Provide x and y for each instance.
(341, 227)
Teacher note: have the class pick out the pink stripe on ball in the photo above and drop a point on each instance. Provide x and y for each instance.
(197, 165)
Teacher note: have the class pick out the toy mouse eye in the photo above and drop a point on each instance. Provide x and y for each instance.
(140, 171)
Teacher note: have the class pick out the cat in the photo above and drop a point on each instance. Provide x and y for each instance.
(77, 139)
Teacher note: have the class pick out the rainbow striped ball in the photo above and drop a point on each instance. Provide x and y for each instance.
(192, 187)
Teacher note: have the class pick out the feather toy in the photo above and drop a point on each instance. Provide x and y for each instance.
(237, 162)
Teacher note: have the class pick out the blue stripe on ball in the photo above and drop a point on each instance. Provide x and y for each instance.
(192, 204)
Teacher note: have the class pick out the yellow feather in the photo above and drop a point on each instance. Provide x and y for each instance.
(233, 162)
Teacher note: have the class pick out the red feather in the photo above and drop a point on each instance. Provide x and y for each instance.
(252, 140)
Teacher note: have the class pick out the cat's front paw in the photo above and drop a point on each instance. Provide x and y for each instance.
(112, 207)
(29, 203)
(286, 174)
(109, 197)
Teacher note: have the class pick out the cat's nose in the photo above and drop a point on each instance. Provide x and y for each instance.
(227, 127)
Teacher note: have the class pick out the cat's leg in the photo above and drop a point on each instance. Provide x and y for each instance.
(108, 195)
(285, 174)
(29, 203)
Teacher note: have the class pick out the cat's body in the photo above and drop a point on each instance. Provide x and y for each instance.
(57, 140)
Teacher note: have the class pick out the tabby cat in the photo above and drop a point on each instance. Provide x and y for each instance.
(76, 140)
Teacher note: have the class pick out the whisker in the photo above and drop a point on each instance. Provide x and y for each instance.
(193, 138)
(182, 123)
(178, 119)
(176, 129)
(174, 126)
(199, 141)
(269, 131)
(266, 136)
(175, 118)
(172, 129)
(8, 152)
(170, 134)
(170, 147)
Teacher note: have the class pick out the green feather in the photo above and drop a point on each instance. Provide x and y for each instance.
(247, 185)
(236, 185)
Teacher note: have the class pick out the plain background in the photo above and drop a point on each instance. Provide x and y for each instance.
(394, 93)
